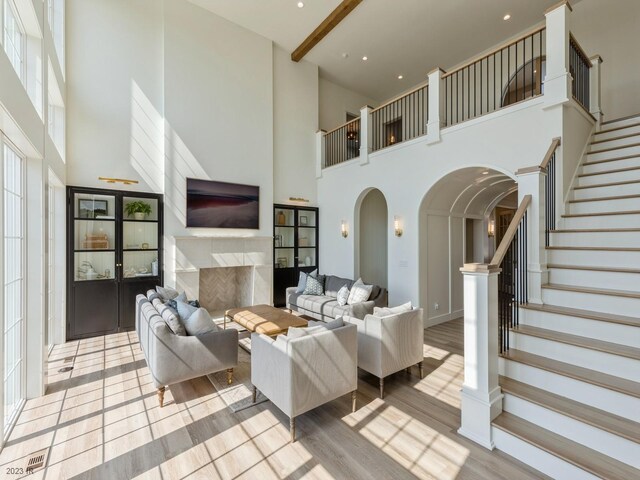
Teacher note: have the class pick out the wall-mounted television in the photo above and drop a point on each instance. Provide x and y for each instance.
(212, 204)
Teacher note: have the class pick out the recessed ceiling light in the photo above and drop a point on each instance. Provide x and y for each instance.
(365, 58)
(400, 77)
(485, 172)
(300, 4)
(506, 17)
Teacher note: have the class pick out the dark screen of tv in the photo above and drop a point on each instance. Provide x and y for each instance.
(212, 204)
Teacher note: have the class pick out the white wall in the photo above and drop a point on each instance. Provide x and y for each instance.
(405, 173)
(295, 121)
(164, 90)
(337, 101)
(373, 232)
(610, 29)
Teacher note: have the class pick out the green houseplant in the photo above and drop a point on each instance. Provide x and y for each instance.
(138, 209)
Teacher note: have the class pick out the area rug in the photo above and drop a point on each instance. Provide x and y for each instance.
(238, 395)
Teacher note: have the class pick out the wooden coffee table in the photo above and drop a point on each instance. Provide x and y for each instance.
(263, 319)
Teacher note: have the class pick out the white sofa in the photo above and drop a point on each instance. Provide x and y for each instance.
(300, 374)
(388, 344)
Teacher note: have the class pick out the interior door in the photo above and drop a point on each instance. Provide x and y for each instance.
(92, 266)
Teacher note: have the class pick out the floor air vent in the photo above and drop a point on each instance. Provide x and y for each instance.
(37, 461)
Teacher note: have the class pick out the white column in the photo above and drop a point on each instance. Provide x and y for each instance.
(436, 106)
(594, 83)
(531, 182)
(481, 397)
(557, 83)
(320, 153)
(365, 134)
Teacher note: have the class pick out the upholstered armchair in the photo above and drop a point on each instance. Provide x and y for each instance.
(300, 374)
(388, 344)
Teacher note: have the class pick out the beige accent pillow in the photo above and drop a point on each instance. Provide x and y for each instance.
(386, 311)
(359, 292)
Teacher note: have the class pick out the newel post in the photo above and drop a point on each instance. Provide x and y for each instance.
(557, 83)
(531, 181)
(594, 96)
(365, 134)
(320, 152)
(436, 106)
(481, 397)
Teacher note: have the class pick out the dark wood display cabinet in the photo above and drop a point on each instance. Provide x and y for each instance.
(114, 252)
(295, 247)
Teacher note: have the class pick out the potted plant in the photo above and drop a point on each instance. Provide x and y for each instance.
(138, 209)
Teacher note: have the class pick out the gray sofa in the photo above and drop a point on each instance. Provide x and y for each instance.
(325, 307)
(174, 358)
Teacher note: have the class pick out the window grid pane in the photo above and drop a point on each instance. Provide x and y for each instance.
(13, 38)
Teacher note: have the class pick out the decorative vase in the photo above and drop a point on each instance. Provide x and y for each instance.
(307, 261)
(139, 216)
(280, 218)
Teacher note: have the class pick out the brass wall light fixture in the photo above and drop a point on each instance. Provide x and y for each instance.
(397, 226)
(344, 228)
(126, 181)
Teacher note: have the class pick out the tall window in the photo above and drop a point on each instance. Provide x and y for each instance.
(13, 38)
(56, 24)
(13, 285)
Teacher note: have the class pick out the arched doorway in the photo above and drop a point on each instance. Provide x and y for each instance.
(456, 226)
(371, 241)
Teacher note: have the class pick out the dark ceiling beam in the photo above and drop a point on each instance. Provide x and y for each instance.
(328, 24)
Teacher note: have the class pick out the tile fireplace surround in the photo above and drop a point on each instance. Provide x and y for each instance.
(225, 272)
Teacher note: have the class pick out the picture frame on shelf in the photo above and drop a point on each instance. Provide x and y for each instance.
(304, 220)
(90, 208)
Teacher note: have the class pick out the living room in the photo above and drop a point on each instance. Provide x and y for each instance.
(375, 196)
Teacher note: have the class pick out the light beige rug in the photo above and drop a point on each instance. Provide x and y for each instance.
(238, 395)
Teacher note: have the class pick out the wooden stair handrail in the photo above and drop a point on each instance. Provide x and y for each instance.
(555, 143)
(346, 124)
(501, 251)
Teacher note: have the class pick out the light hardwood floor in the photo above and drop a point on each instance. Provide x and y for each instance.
(102, 421)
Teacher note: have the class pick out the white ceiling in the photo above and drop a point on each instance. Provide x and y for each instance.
(399, 37)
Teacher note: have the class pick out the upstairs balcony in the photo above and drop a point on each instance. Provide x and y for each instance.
(545, 61)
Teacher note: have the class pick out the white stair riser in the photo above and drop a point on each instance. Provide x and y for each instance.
(615, 142)
(618, 133)
(614, 165)
(539, 459)
(593, 258)
(601, 221)
(592, 437)
(617, 205)
(605, 331)
(595, 279)
(620, 152)
(611, 191)
(589, 239)
(611, 401)
(615, 365)
(621, 123)
(590, 301)
(609, 177)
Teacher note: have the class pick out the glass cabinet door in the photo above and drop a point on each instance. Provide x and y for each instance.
(139, 237)
(284, 239)
(94, 239)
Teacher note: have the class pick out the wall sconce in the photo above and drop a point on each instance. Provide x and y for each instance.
(344, 229)
(397, 226)
(491, 230)
(126, 181)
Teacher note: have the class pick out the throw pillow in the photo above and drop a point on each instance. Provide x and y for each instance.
(302, 281)
(343, 295)
(297, 332)
(359, 292)
(315, 286)
(384, 311)
(182, 298)
(185, 310)
(333, 324)
(200, 322)
(171, 319)
(167, 293)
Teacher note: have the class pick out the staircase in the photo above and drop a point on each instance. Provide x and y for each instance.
(571, 382)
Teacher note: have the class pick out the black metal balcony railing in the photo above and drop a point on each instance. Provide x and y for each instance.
(548, 166)
(580, 69)
(342, 143)
(507, 75)
(401, 119)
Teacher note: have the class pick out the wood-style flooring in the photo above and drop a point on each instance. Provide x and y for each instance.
(102, 421)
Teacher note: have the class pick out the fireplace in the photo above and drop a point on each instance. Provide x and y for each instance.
(224, 272)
